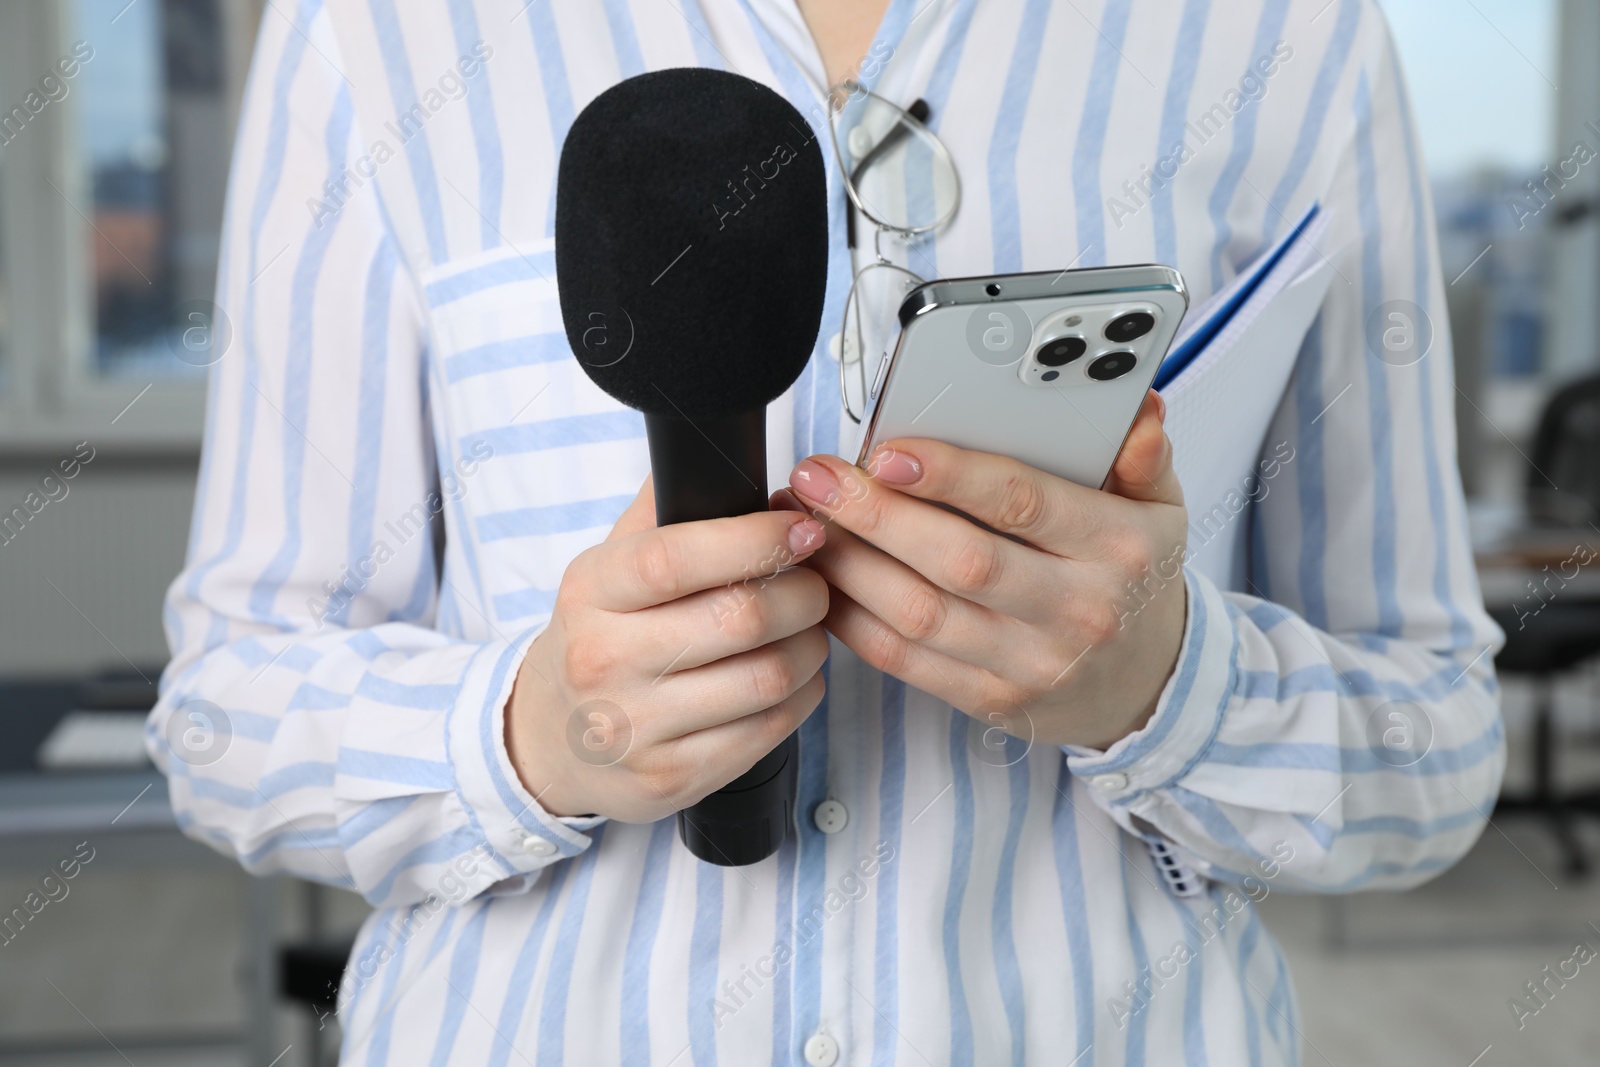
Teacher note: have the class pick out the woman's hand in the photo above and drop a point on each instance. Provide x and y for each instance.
(675, 658)
(1065, 630)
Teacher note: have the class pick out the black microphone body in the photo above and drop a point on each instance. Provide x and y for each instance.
(691, 206)
(715, 468)
(708, 468)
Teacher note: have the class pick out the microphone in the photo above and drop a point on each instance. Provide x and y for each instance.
(691, 261)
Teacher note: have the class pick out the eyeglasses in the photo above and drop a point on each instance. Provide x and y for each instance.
(902, 180)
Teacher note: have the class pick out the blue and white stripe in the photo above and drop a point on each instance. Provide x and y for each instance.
(399, 376)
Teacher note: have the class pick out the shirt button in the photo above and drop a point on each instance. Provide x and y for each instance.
(842, 350)
(821, 1050)
(830, 816)
(534, 845)
(1111, 782)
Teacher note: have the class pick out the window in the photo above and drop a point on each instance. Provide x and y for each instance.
(116, 128)
(1484, 140)
(1483, 81)
(153, 137)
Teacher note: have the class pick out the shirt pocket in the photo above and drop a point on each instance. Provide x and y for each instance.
(553, 459)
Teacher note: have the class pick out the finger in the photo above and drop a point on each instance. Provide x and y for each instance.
(661, 564)
(914, 607)
(952, 552)
(717, 623)
(1010, 497)
(784, 500)
(706, 757)
(1143, 470)
(881, 646)
(737, 686)
(639, 515)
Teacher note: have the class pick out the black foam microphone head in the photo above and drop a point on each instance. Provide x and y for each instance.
(691, 242)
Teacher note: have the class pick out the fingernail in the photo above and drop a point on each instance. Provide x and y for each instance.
(783, 500)
(814, 482)
(1161, 409)
(805, 536)
(896, 468)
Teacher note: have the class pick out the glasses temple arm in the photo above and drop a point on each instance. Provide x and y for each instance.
(918, 110)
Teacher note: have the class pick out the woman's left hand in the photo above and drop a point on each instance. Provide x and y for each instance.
(1064, 631)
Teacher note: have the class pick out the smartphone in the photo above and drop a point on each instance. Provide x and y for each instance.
(1048, 368)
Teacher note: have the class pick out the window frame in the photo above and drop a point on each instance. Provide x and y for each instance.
(53, 395)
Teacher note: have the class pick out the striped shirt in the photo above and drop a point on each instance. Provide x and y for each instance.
(401, 457)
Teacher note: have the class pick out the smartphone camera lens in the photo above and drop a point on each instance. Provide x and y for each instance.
(1112, 365)
(992, 289)
(1061, 351)
(1125, 328)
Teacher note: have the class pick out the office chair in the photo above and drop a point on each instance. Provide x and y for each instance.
(1546, 638)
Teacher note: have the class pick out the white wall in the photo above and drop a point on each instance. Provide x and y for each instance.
(111, 546)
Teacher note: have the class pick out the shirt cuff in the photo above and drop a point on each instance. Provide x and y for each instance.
(523, 836)
(1188, 713)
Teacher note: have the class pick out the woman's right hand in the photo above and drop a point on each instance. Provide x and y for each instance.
(675, 658)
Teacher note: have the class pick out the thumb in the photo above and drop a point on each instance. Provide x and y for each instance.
(639, 515)
(1143, 470)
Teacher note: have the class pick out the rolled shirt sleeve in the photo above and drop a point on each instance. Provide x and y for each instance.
(1341, 707)
(325, 713)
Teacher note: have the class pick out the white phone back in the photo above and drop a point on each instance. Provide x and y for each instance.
(956, 374)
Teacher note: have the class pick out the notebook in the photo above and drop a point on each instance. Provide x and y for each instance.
(1223, 380)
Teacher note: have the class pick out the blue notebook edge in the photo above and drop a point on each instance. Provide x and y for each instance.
(1180, 358)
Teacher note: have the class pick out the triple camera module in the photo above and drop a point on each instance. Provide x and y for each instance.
(1069, 347)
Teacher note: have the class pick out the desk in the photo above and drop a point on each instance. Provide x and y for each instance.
(1544, 586)
(1553, 561)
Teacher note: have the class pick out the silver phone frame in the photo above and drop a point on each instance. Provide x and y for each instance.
(1034, 285)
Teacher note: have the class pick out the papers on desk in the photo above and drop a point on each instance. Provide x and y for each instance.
(1223, 381)
(95, 740)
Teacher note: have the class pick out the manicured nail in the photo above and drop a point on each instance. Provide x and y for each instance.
(783, 500)
(805, 536)
(814, 482)
(896, 468)
(1161, 409)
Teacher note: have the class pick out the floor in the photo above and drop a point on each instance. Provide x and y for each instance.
(1417, 978)
(1425, 977)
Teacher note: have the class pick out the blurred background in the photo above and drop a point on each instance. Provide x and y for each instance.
(110, 200)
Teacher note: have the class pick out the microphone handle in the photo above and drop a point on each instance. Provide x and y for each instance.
(714, 468)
